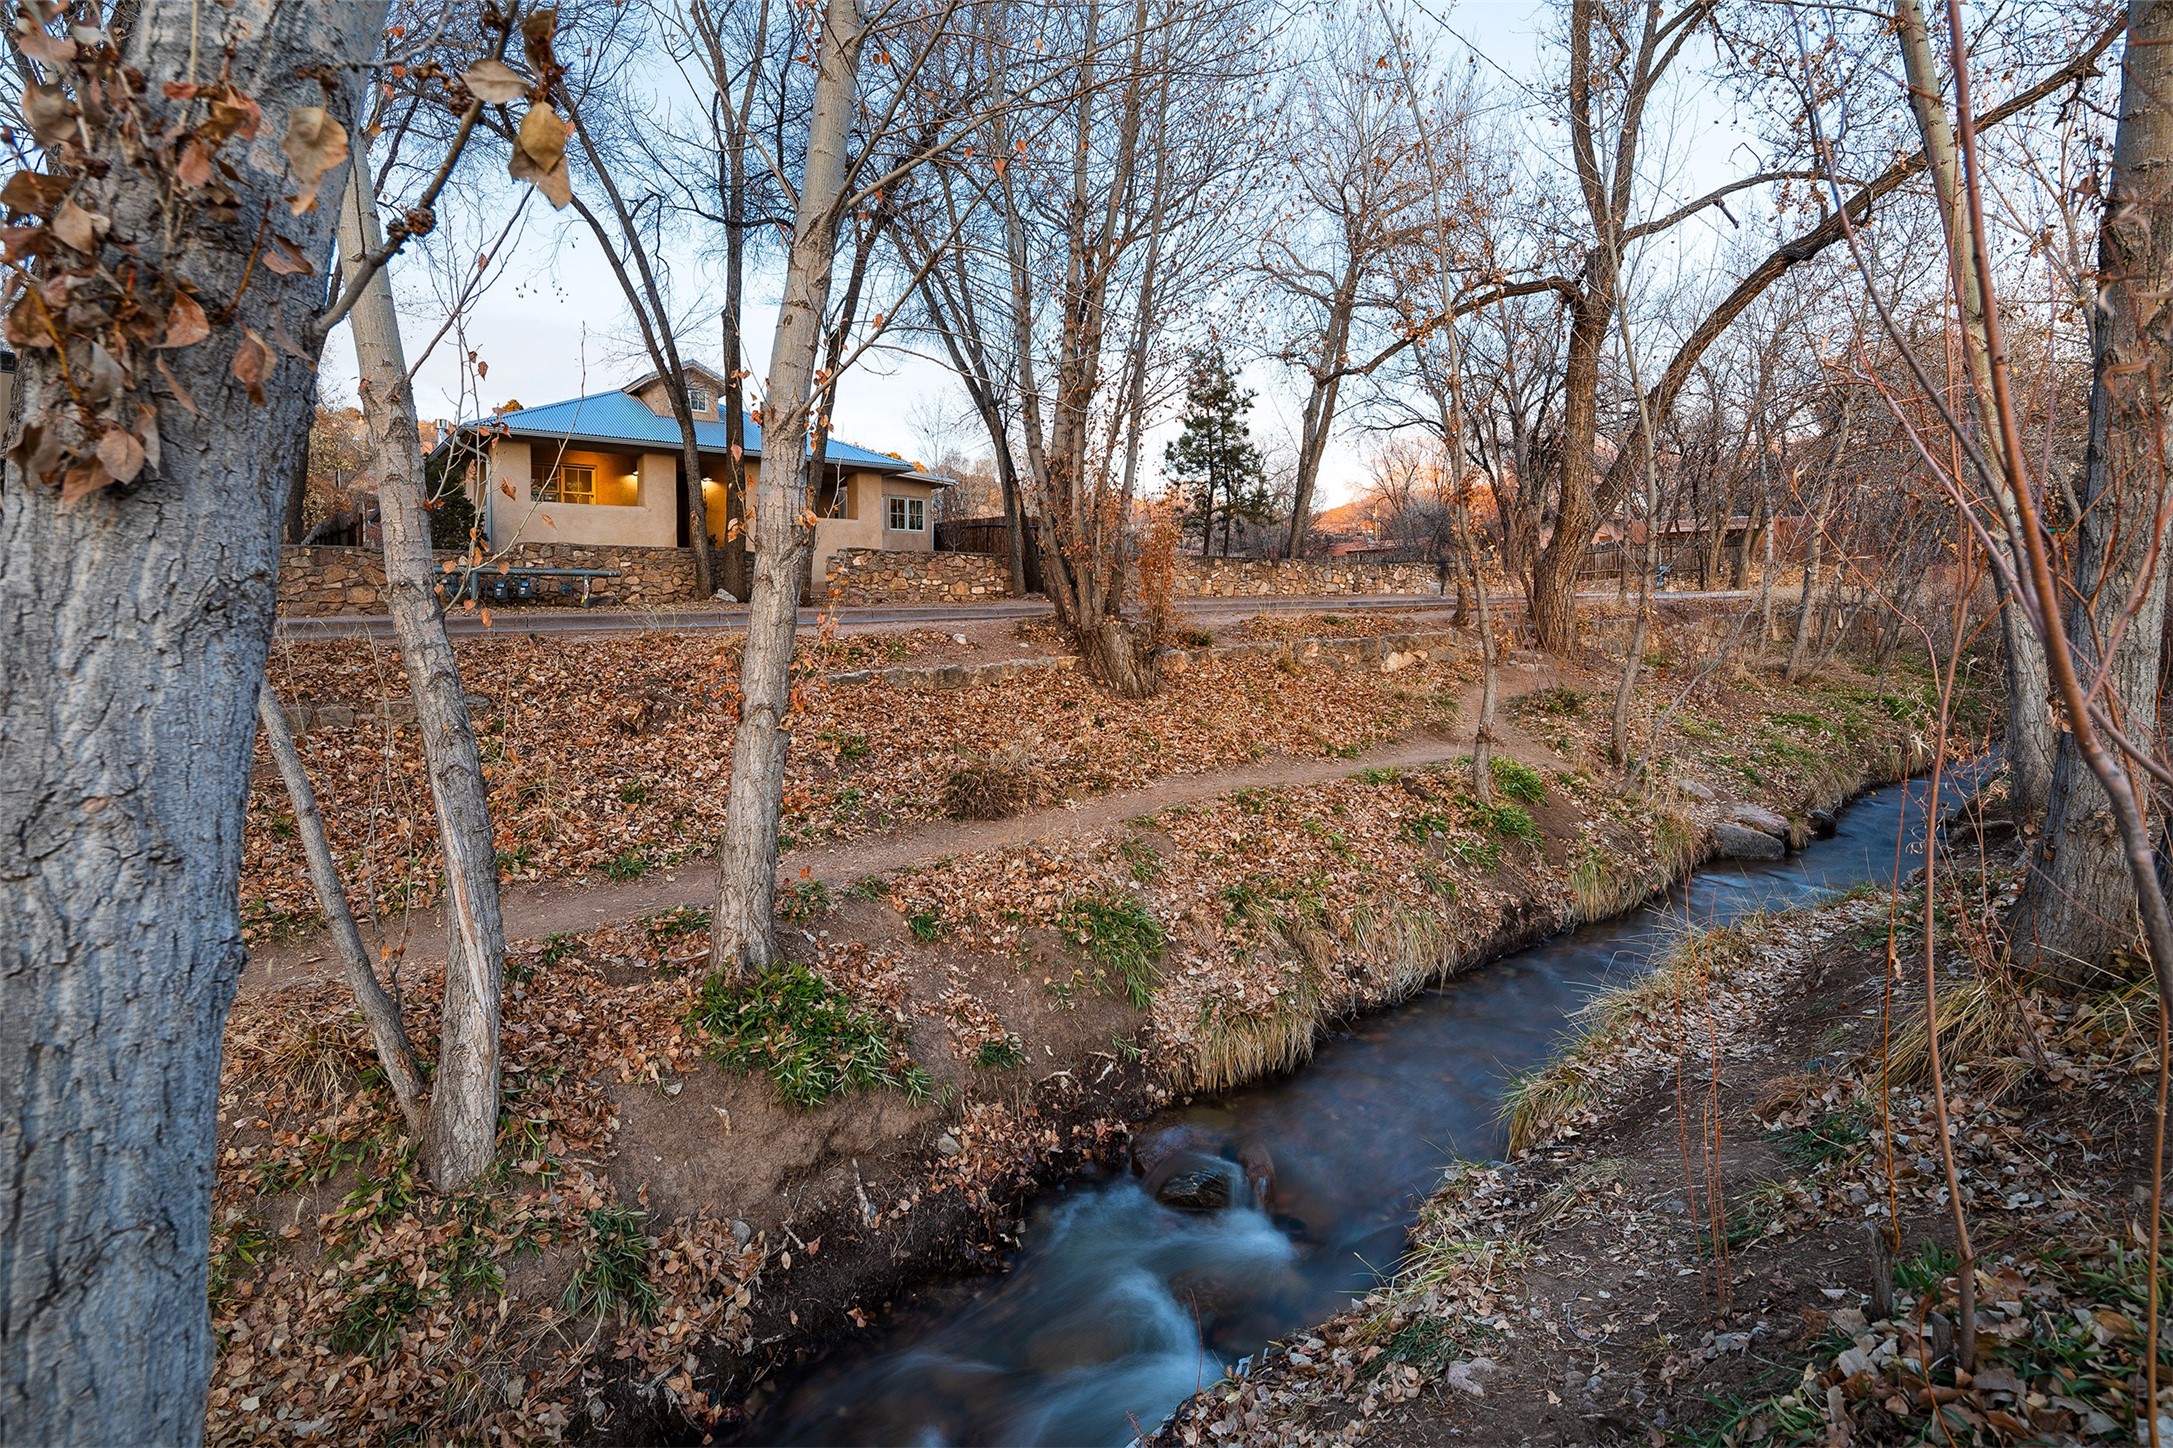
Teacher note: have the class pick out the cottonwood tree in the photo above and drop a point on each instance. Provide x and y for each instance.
(743, 928)
(2094, 869)
(155, 261)
(1353, 183)
(1107, 198)
(1618, 55)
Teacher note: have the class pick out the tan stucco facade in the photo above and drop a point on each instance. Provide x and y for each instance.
(637, 496)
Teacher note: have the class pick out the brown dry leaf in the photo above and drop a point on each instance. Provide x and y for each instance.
(33, 193)
(78, 226)
(173, 385)
(186, 323)
(536, 30)
(50, 113)
(121, 454)
(285, 258)
(539, 155)
(252, 364)
(147, 435)
(494, 82)
(82, 480)
(314, 144)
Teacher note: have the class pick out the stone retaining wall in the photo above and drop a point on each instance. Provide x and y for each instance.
(1258, 578)
(863, 577)
(1383, 653)
(320, 582)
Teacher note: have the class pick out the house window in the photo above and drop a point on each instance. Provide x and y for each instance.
(568, 483)
(907, 515)
(698, 399)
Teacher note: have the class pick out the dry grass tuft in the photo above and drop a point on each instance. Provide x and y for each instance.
(993, 786)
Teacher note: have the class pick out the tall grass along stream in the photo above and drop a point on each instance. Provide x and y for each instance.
(1118, 1307)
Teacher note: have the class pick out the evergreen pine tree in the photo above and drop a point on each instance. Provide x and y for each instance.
(1214, 461)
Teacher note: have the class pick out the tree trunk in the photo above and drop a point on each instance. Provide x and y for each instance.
(463, 1133)
(743, 930)
(388, 1032)
(2030, 745)
(136, 624)
(2079, 904)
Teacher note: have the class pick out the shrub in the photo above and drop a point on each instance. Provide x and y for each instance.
(806, 1035)
(1510, 821)
(1120, 934)
(1559, 702)
(1518, 781)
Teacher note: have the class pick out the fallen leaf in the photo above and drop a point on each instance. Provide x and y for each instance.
(252, 364)
(121, 454)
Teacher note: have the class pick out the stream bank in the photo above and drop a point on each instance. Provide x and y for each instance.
(777, 1232)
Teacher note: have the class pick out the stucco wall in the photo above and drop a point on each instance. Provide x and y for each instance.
(320, 582)
(652, 521)
(861, 529)
(872, 576)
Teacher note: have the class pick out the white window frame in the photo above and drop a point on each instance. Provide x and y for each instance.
(896, 506)
(698, 399)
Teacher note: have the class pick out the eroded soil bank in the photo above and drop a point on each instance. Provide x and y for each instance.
(701, 1189)
(1727, 1218)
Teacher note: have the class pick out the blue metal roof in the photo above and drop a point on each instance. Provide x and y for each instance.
(618, 417)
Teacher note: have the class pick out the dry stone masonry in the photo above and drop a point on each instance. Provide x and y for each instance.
(861, 577)
(319, 582)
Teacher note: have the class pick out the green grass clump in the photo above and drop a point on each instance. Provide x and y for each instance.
(1378, 776)
(804, 901)
(1001, 1053)
(678, 924)
(926, 925)
(806, 1035)
(613, 1279)
(629, 865)
(1510, 821)
(1518, 781)
(1559, 702)
(1119, 933)
(370, 1323)
(1831, 1137)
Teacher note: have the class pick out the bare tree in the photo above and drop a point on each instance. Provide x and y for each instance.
(1356, 188)
(743, 927)
(462, 1134)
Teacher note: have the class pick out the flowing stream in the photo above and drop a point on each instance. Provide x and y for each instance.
(1117, 1308)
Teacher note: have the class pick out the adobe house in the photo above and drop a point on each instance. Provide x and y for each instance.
(605, 470)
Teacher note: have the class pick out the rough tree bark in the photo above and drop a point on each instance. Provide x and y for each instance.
(744, 929)
(462, 1137)
(137, 622)
(2078, 904)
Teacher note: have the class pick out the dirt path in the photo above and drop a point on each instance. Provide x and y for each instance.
(537, 911)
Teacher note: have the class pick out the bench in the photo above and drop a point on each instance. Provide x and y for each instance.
(500, 584)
